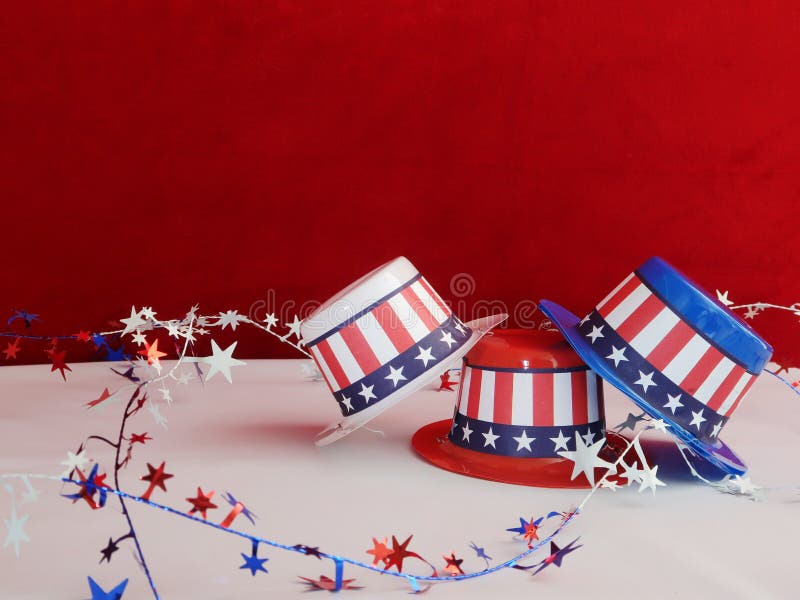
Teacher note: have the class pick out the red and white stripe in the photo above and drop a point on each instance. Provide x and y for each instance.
(531, 399)
(674, 348)
(379, 336)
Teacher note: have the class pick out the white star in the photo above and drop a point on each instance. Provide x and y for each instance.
(16, 532)
(490, 438)
(586, 458)
(645, 381)
(147, 312)
(133, 322)
(674, 403)
(744, 484)
(157, 416)
(630, 472)
(347, 403)
(232, 318)
(715, 430)
(460, 327)
(366, 393)
(648, 479)
(74, 461)
(172, 328)
(139, 338)
(447, 338)
(659, 425)
(560, 442)
(584, 319)
(294, 328)
(184, 377)
(165, 393)
(425, 355)
(467, 432)
(588, 438)
(607, 483)
(596, 333)
(396, 375)
(751, 313)
(30, 494)
(524, 441)
(270, 320)
(617, 355)
(221, 361)
(697, 419)
(723, 298)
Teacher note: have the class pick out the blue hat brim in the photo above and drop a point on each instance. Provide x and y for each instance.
(718, 454)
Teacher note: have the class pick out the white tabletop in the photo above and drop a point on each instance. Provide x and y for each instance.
(254, 438)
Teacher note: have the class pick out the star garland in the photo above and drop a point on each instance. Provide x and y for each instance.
(144, 375)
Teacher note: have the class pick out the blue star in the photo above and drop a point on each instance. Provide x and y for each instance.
(522, 526)
(99, 340)
(253, 563)
(116, 355)
(89, 488)
(99, 594)
(25, 316)
(481, 552)
(230, 499)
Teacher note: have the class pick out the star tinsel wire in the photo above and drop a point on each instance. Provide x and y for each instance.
(232, 319)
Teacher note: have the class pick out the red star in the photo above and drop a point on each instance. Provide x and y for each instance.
(59, 362)
(140, 437)
(104, 396)
(446, 384)
(379, 551)
(453, 564)
(531, 532)
(83, 336)
(326, 583)
(152, 353)
(139, 403)
(399, 552)
(156, 477)
(202, 503)
(12, 349)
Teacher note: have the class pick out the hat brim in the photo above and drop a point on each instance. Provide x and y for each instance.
(718, 454)
(347, 425)
(432, 443)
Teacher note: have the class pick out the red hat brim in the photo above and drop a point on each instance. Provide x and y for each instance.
(433, 444)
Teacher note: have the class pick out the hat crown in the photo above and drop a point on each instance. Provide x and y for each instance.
(357, 297)
(705, 314)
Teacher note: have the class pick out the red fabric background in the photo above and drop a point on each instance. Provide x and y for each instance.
(166, 153)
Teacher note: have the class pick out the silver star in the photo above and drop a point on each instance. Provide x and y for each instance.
(586, 458)
(645, 381)
(524, 441)
(138, 338)
(221, 361)
(630, 472)
(447, 338)
(596, 333)
(697, 419)
(490, 438)
(611, 485)
(157, 416)
(560, 441)
(649, 480)
(425, 355)
(133, 322)
(396, 375)
(270, 320)
(16, 532)
(723, 298)
(366, 393)
(674, 403)
(294, 328)
(617, 355)
(659, 425)
(74, 461)
(232, 318)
